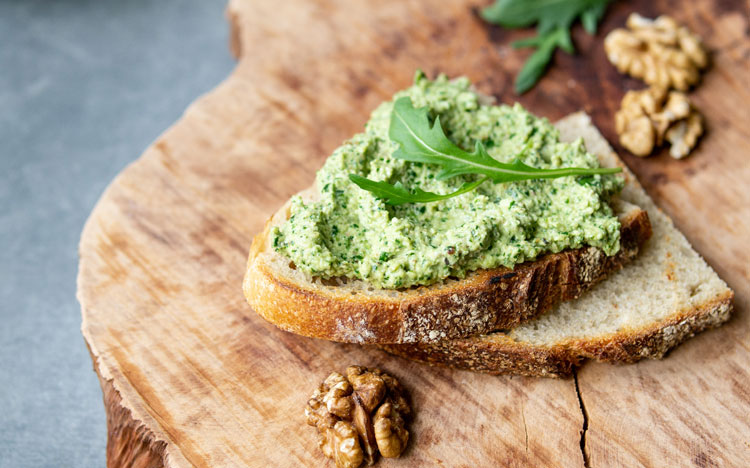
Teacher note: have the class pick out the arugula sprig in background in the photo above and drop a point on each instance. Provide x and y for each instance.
(424, 143)
(554, 19)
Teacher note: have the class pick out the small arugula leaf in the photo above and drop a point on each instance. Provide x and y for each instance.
(397, 194)
(553, 19)
(538, 62)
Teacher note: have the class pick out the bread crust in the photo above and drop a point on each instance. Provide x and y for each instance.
(491, 354)
(485, 300)
(499, 354)
(656, 339)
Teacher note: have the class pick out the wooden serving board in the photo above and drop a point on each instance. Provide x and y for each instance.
(193, 377)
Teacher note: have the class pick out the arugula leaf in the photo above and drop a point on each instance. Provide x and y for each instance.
(397, 194)
(537, 63)
(424, 143)
(553, 19)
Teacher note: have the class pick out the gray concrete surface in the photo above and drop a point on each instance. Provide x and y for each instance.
(84, 87)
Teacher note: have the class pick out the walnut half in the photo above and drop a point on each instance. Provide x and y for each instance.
(358, 416)
(647, 116)
(660, 52)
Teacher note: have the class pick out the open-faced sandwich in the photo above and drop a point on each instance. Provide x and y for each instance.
(459, 232)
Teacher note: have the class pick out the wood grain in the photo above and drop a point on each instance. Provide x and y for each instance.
(192, 377)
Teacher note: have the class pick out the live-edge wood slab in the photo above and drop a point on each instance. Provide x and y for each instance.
(192, 377)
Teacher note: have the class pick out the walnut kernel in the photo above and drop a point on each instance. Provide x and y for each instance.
(369, 386)
(647, 116)
(346, 450)
(389, 431)
(359, 416)
(660, 52)
(335, 399)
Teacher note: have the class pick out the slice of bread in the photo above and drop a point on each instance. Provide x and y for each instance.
(666, 295)
(486, 300)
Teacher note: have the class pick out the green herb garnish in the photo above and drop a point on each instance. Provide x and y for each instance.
(554, 19)
(424, 143)
(397, 194)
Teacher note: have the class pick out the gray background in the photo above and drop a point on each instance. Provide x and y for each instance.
(85, 86)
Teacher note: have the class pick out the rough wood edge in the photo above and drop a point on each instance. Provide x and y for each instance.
(129, 442)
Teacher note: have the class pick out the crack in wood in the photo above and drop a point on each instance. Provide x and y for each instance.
(525, 430)
(585, 428)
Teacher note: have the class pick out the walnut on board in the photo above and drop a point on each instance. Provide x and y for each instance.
(659, 51)
(359, 416)
(646, 117)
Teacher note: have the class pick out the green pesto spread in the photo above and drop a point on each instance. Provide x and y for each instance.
(350, 233)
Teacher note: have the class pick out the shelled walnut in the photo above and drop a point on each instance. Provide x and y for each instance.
(659, 51)
(358, 416)
(646, 117)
